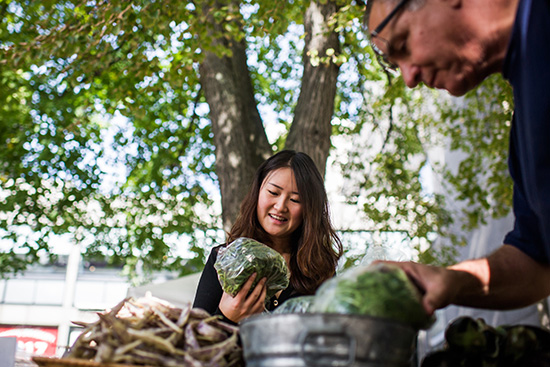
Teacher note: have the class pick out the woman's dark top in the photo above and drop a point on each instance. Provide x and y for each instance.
(209, 290)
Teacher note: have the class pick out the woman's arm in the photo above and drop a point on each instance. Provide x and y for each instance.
(209, 291)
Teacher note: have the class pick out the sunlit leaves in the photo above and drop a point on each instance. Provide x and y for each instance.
(480, 128)
(69, 70)
(400, 127)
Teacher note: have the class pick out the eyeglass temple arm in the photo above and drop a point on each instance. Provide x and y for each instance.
(386, 20)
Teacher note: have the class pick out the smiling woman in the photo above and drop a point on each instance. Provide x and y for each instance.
(286, 208)
(279, 208)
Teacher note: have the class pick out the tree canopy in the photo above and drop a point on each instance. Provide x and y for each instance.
(120, 121)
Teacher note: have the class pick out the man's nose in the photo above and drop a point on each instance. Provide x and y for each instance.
(411, 73)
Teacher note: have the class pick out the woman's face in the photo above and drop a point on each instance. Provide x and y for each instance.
(279, 209)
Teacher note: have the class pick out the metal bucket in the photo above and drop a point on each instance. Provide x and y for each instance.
(319, 340)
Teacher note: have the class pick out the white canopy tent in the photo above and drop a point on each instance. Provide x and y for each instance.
(178, 292)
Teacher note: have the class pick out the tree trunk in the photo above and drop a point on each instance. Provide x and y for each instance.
(311, 128)
(239, 137)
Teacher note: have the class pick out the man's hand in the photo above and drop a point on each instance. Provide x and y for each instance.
(506, 279)
(433, 282)
(244, 304)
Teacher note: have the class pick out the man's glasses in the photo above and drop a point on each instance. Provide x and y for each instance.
(380, 55)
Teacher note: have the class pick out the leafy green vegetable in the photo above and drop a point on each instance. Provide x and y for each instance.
(469, 336)
(378, 290)
(300, 304)
(241, 258)
(473, 342)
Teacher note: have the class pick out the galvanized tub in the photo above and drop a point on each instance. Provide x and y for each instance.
(331, 340)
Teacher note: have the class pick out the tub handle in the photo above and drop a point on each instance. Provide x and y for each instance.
(323, 347)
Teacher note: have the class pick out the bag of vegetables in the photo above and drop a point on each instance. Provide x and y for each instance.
(301, 304)
(378, 290)
(241, 258)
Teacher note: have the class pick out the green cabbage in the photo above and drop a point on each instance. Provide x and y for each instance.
(241, 258)
(379, 290)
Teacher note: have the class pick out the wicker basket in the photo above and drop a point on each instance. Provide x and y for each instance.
(74, 362)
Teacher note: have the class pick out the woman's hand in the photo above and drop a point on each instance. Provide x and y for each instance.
(239, 307)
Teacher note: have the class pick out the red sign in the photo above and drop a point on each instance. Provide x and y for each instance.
(38, 341)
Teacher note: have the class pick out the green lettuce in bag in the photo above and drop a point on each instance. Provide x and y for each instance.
(241, 258)
(379, 290)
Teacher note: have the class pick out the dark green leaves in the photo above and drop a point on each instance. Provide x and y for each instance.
(378, 290)
(241, 258)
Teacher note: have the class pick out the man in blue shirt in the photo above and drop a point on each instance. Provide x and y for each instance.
(455, 45)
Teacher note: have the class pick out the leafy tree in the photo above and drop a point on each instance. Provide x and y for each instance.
(402, 127)
(179, 75)
(174, 98)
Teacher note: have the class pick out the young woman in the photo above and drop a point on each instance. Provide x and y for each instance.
(286, 208)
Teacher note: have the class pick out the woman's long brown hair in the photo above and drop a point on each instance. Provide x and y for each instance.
(316, 248)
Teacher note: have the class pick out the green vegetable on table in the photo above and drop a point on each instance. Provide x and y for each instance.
(378, 290)
(241, 258)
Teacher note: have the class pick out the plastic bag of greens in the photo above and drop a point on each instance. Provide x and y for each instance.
(378, 290)
(241, 258)
(300, 304)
